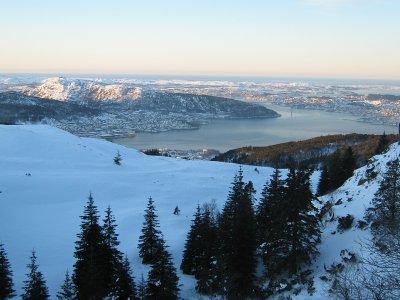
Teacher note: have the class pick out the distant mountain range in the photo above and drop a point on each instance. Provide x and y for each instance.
(92, 108)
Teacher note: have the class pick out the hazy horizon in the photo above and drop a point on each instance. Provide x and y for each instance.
(334, 39)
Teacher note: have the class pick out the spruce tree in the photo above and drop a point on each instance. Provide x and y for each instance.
(112, 256)
(324, 181)
(35, 286)
(124, 287)
(335, 171)
(162, 282)
(268, 208)
(141, 288)
(206, 271)
(6, 282)
(67, 289)
(271, 223)
(341, 167)
(292, 232)
(90, 269)
(150, 239)
(387, 199)
(237, 237)
(348, 164)
(301, 231)
(193, 245)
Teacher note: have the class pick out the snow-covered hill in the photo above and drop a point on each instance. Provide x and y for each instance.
(65, 89)
(45, 178)
(94, 107)
(46, 175)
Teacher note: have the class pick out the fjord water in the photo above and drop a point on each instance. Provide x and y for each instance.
(226, 134)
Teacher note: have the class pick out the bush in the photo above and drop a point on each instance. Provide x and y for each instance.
(345, 223)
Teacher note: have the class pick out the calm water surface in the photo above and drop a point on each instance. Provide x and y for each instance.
(228, 134)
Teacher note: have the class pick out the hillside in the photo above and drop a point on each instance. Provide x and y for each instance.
(91, 108)
(47, 174)
(310, 152)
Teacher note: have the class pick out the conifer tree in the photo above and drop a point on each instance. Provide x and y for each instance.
(324, 181)
(90, 269)
(162, 282)
(387, 199)
(193, 245)
(301, 230)
(124, 286)
(237, 237)
(118, 159)
(112, 256)
(348, 164)
(268, 209)
(141, 288)
(150, 239)
(206, 271)
(6, 282)
(271, 222)
(35, 286)
(335, 170)
(67, 289)
(292, 227)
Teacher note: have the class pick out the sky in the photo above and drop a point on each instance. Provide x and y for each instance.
(285, 38)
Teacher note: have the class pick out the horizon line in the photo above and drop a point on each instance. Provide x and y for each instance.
(194, 75)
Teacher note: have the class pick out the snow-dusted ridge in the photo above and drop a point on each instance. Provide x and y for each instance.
(46, 175)
(96, 107)
(65, 89)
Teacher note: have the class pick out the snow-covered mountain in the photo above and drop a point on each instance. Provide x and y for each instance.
(81, 90)
(46, 175)
(89, 107)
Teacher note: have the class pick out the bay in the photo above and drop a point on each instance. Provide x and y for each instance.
(226, 134)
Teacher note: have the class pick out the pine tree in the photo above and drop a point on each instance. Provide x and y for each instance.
(271, 222)
(90, 269)
(237, 258)
(200, 251)
(35, 286)
(324, 181)
(335, 171)
(348, 164)
(118, 159)
(113, 257)
(124, 286)
(162, 280)
(67, 289)
(387, 199)
(301, 231)
(6, 282)
(268, 209)
(150, 239)
(292, 232)
(193, 245)
(206, 271)
(141, 288)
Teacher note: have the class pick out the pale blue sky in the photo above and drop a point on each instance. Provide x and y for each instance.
(311, 38)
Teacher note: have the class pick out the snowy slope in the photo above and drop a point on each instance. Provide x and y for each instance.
(41, 211)
(353, 198)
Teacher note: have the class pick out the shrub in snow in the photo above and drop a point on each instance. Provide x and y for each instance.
(118, 159)
(345, 223)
